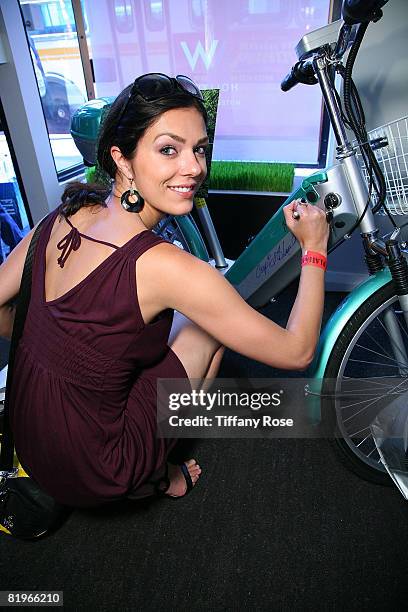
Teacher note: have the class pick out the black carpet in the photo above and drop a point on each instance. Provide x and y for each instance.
(272, 525)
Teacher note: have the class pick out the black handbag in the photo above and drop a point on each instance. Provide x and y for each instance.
(26, 511)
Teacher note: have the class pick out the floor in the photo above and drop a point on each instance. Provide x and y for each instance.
(272, 525)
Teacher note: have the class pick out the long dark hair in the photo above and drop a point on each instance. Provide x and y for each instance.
(125, 134)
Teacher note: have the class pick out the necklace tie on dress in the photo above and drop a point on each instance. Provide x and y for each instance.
(70, 242)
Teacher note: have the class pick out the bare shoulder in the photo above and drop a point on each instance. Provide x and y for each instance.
(172, 272)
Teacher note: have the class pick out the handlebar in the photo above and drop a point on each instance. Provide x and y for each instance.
(302, 72)
(361, 11)
(289, 81)
(353, 12)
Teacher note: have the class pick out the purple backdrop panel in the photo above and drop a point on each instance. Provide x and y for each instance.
(242, 47)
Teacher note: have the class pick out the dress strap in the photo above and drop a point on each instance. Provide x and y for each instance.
(72, 241)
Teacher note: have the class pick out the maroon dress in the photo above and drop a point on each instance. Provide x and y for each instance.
(83, 404)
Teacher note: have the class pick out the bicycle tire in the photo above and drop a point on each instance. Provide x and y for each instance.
(364, 333)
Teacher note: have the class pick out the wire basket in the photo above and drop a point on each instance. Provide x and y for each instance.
(393, 160)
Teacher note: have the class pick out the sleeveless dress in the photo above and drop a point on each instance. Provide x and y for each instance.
(83, 404)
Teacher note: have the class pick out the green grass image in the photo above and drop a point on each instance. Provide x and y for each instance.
(251, 176)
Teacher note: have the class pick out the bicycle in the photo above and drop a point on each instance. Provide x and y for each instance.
(373, 318)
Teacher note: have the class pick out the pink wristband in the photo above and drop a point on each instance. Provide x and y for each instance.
(313, 258)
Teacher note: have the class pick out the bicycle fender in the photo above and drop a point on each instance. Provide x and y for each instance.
(332, 331)
(193, 237)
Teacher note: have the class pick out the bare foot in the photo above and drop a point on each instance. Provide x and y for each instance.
(178, 485)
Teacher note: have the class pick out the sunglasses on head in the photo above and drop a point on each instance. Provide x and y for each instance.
(155, 86)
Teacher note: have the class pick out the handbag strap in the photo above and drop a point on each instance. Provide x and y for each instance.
(23, 301)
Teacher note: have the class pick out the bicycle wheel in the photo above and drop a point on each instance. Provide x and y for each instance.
(364, 360)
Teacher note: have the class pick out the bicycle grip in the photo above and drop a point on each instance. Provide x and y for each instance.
(289, 81)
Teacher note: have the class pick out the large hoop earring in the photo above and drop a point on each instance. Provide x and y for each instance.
(134, 206)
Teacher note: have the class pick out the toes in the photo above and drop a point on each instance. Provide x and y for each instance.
(192, 465)
(177, 480)
(195, 475)
(193, 469)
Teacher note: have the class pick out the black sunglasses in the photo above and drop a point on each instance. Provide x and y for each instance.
(155, 86)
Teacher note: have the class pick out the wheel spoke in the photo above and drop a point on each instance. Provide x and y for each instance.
(362, 441)
(387, 365)
(377, 343)
(371, 402)
(372, 451)
(370, 391)
(381, 355)
(355, 433)
(373, 379)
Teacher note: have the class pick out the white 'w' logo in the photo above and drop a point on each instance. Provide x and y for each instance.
(206, 56)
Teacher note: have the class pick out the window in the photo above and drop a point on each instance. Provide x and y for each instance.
(197, 10)
(14, 223)
(53, 41)
(123, 16)
(50, 17)
(154, 14)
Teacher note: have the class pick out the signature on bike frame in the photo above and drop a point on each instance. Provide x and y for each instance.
(275, 256)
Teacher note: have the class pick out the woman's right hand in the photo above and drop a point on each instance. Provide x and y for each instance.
(311, 228)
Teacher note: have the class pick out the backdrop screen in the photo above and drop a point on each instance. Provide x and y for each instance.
(242, 47)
